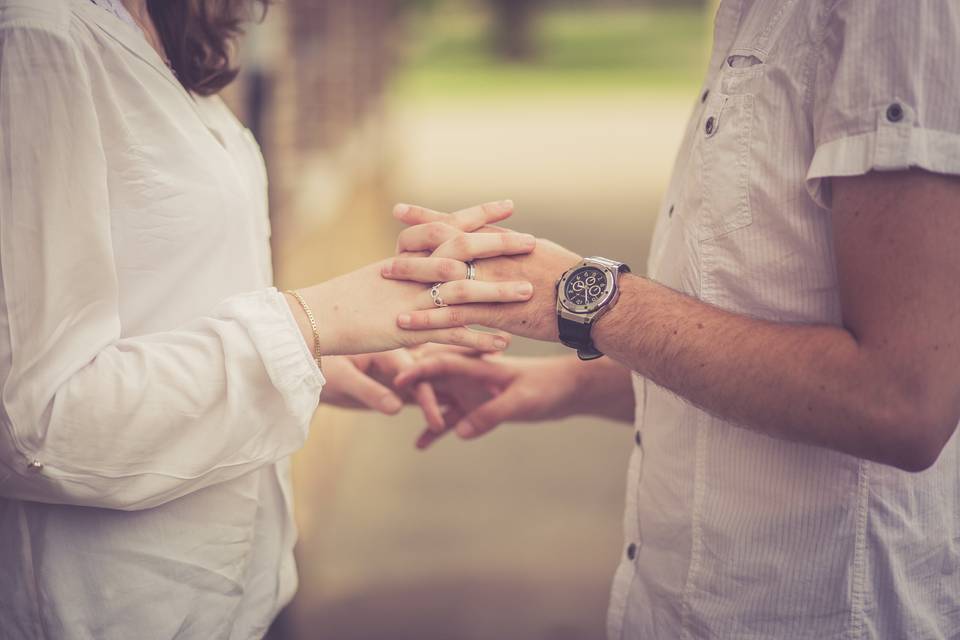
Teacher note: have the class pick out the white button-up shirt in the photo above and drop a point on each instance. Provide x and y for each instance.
(729, 533)
(153, 383)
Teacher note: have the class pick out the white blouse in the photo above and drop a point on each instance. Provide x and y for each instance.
(153, 383)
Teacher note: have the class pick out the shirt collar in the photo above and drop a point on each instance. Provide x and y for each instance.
(128, 35)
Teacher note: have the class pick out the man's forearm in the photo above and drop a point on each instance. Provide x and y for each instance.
(808, 383)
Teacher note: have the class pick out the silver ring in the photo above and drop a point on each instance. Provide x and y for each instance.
(435, 294)
(471, 270)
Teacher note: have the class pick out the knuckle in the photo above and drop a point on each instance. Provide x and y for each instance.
(446, 269)
(436, 232)
(461, 243)
(456, 317)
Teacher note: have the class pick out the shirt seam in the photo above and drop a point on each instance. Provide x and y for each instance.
(696, 528)
(859, 558)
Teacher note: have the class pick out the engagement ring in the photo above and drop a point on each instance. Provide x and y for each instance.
(471, 271)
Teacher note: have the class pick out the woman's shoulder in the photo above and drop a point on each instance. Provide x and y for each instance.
(70, 19)
(51, 15)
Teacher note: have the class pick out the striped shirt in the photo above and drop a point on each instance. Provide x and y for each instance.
(729, 533)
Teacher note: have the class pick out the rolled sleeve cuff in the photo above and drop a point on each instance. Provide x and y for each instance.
(891, 147)
(288, 361)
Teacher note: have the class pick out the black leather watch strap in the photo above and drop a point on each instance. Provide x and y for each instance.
(576, 335)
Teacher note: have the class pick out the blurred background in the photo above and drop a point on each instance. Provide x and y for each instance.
(575, 111)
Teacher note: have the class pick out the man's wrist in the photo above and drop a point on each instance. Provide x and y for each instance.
(593, 387)
(608, 330)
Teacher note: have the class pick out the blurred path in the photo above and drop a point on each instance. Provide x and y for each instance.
(515, 536)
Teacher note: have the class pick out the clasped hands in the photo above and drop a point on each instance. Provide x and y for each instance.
(461, 387)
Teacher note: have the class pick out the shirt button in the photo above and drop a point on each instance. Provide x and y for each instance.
(711, 123)
(895, 112)
(638, 438)
(632, 551)
(706, 94)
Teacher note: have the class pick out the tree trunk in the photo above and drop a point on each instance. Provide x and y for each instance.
(513, 22)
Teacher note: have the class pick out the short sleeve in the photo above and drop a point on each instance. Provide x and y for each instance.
(885, 90)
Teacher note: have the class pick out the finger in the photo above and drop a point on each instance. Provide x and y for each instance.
(489, 415)
(479, 216)
(425, 237)
(428, 437)
(462, 337)
(446, 318)
(428, 350)
(474, 246)
(411, 214)
(427, 399)
(462, 292)
(369, 392)
(424, 269)
(450, 364)
(470, 219)
(395, 361)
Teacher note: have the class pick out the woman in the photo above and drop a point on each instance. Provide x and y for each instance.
(153, 383)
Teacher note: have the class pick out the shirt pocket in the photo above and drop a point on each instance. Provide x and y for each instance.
(726, 129)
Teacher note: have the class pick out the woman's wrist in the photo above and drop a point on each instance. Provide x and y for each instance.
(310, 321)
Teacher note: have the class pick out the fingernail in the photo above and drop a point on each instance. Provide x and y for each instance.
(528, 240)
(524, 290)
(505, 205)
(500, 343)
(386, 270)
(403, 320)
(400, 210)
(465, 430)
(391, 404)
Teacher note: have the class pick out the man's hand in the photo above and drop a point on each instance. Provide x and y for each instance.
(480, 393)
(366, 381)
(884, 386)
(440, 235)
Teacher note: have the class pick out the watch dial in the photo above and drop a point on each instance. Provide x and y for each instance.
(586, 286)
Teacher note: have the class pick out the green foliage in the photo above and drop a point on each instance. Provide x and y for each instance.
(579, 50)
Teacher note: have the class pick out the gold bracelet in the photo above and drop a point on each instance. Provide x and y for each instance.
(313, 324)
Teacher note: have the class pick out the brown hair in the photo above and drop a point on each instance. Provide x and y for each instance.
(199, 37)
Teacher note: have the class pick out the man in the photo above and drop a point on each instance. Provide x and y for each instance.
(796, 346)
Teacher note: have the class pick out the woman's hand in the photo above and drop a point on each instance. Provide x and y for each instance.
(357, 312)
(367, 381)
(443, 236)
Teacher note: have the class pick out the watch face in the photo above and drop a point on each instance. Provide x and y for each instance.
(586, 286)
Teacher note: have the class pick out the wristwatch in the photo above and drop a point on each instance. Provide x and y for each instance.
(584, 293)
